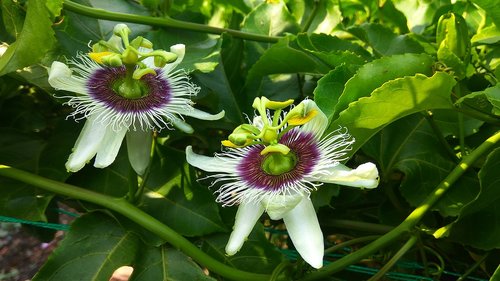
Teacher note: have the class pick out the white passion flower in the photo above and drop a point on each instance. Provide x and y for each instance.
(272, 167)
(125, 92)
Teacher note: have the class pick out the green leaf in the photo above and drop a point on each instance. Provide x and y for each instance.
(323, 43)
(181, 196)
(202, 51)
(384, 41)
(332, 50)
(270, 18)
(488, 35)
(34, 41)
(447, 121)
(94, 247)
(492, 9)
(409, 145)
(115, 180)
(76, 31)
(165, 263)
(419, 14)
(486, 101)
(285, 57)
(393, 100)
(17, 199)
(477, 224)
(13, 17)
(328, 16)
(257, 255)
(373, 74)
(330, 87)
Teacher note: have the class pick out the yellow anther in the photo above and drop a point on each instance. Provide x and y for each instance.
(97, 57)
(300, 120)
(228, 143)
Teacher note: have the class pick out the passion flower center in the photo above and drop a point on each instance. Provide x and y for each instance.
(130, 88)
(276, 163)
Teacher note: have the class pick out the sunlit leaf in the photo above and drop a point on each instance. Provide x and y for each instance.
(373, 74)
(28, 48)
(393, 100)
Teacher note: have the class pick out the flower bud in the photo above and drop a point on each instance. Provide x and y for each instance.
(121, 29)
(161, 58)
(452, 33)
(113, 60)
(129, 56)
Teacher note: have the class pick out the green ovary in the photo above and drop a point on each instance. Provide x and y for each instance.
(276, 163)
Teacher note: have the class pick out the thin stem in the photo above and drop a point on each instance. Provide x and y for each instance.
(411, 221)
(399, 254)
(473, 267)
(311, 17)
(461, 126)
(162, 22)
(358, 225)
(121, 206)
(351, 242)
(437, 132)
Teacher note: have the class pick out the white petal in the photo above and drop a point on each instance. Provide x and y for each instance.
(318, 124)
(276, 206)
(139, 149)
(248, 214)
(304, 230)
(364, 176)
(180, 51)
(198, 114)
(60, 78)
(210, 164)
(86, 145)
(181, 125)
(109, 147)
(257, 122)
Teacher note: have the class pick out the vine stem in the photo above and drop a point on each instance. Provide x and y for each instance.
(122, 206)
(411, 221)
(163, 22)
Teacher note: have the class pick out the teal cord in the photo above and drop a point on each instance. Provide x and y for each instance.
(55, 226)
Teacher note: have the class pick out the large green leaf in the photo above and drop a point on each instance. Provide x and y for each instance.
(373, 74)
(393, 100)
(409, 145)
(478, 224)
(165, 263)
(384, 41)
(34, 41)
(92, 250)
